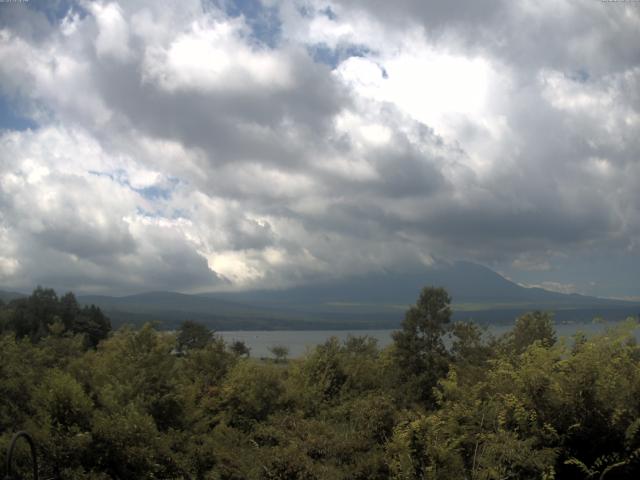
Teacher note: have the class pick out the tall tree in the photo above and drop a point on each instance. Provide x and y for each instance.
(193, 335)
(36, 316)
(32, 316)
(532, 327)
(69, 309)
(419, 349)
(93, 323)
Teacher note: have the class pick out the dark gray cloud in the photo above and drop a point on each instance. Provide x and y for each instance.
(231, 126)
(582, 38)
(436, 15)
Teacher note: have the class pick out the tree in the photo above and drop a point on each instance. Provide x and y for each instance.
(5, 317)
(323, 371)
(471, 348)
(240, 348)
(419, 349)
(36, 316)
(250, 393)
(280, 352)
(32, 315)
(69, 309)
(532, 327)
(91, 322)
(193, 335)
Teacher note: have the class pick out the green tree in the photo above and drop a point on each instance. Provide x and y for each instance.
(471, 348)
(280, 353)
(419, 346)
(193, 335)
(5, 317)
(68, 310)
(91, 322)
(31, 316)
(322, 372)
(532, 327)
(35, 316)
(250, 393)
(64, 414)
(240, 348)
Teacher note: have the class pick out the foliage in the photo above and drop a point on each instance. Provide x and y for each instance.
(192, 335)
(43, 313)
(420, 350)
(280, 353)
(239, 348)
(428, 407)
(532, 327)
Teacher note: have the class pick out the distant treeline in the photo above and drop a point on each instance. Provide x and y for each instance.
(139, 403)
(43, 313)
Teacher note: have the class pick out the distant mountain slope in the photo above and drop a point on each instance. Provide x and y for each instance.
(466, 282)
(171, 308)
(7, 296)
(373, 301)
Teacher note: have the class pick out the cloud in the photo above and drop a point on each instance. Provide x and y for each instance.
(64, 224)
(189, 146)
(213, 56)
(567, 288)
(113, 31)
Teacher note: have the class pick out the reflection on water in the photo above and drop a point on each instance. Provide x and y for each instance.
(299, 341)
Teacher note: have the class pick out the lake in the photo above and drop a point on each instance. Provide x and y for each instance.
(299, 341)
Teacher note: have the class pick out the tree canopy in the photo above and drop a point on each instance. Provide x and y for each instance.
(419, 345)
(37, 315)
(523, 405)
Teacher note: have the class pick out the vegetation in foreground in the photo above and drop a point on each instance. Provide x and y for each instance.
(139, 403)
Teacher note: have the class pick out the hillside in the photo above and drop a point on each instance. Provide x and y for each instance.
(7, 296)
(467, 283)
(372, 301)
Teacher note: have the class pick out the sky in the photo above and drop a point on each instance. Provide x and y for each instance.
(206, 145)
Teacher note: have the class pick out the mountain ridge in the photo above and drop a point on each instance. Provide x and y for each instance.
(376, 300)
(466, 282)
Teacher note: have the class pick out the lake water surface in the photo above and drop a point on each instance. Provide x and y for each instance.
(299, 341)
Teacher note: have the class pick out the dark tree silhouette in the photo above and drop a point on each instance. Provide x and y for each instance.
(419, 347)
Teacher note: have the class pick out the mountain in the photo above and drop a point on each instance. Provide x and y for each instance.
(373, 301)
(171, 308)
(467, 283)
(6, 296)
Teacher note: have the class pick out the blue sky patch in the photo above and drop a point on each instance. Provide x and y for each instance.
(264, 21)
(156, 192)
(322, 53)
(160, 191)
(56, 10)
(11, 118)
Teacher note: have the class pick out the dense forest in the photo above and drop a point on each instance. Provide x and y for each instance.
(445, 400)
